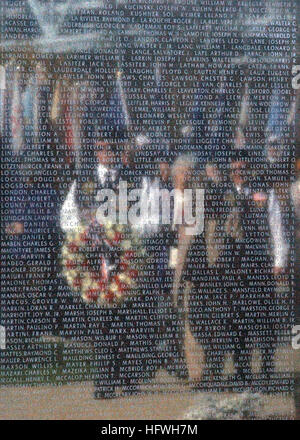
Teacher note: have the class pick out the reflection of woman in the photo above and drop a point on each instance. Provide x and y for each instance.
(256, 255)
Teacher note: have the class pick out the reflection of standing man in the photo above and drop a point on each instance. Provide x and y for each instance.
(295, 193)
(208, 308)
(253, 226)
(182, 172)
(183, 176)
(170, 335)
(155, 298)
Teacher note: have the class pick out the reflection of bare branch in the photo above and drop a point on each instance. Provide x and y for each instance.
(52, 15)
(39, 14)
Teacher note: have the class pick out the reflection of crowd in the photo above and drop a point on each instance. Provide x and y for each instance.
(244, 250)
(232, 268)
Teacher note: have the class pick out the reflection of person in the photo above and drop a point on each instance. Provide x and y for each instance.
(182, 174)
(295, 193)
(153, 305)
(207, 306)
(170, 328)
(253, 225)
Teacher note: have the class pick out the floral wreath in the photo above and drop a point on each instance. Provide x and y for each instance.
(119, 255)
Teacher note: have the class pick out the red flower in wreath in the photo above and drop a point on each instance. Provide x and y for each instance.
(123, 266)
(92, 295)
(133, 273)
(77, 283)
(95, 276)
(121, 285)
(117, 237)
(85, 264)
(110, 296)
(102, 285)
(73, 248)
(106, 289)
(71, 264)
(84, 237)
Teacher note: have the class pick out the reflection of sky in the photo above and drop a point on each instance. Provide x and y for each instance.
(50, 20)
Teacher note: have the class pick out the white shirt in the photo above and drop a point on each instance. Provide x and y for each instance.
(280, 245)
(69, 214)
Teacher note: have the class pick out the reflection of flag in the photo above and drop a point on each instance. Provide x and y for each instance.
(17, 132)
(10, 69)
(293, 110)
(121, 103)
(74, 99)
(117, 119)
(36, 106)
(72, 116)
(240, 140)
(28, 101)
(75, 106)
(244, 111)
(31, 108)
(69, 137)
(63, 111)
(56, 107)
(91, 110)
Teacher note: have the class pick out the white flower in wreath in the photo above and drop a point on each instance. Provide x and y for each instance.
(86, 283)
(108, 225)
(101, 298)
(114, 287)
(126, 245)
(65, 252)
